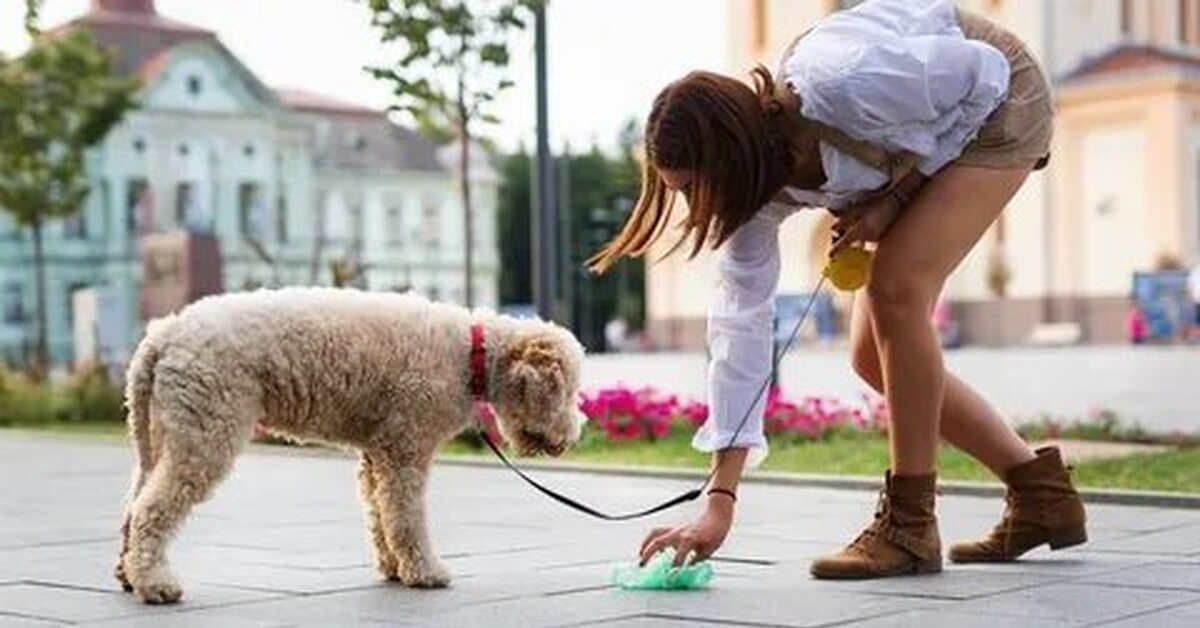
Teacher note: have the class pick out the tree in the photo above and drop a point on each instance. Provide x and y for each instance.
(453, 54)
(56, 101)
(513, 212)
(601, 190)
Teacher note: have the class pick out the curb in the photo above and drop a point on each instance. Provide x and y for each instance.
(1121, 497)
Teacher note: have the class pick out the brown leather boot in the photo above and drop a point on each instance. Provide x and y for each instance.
(903, 539)
(1043, 507)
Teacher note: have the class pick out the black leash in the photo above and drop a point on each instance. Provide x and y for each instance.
(683, 498)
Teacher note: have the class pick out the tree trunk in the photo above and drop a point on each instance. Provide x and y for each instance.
(464, 166)
(41, 351)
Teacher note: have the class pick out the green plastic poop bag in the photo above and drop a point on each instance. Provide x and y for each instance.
(659, 575)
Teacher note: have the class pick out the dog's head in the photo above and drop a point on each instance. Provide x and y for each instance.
(537, 389)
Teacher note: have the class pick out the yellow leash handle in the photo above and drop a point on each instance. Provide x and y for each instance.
(850, 268)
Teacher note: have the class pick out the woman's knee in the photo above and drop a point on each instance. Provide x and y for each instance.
(898, 296)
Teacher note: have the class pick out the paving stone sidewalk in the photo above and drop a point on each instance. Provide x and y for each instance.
(283, 544)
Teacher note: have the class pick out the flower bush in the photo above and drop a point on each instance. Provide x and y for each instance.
(622, 413)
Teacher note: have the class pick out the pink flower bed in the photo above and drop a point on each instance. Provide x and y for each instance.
(625, 414)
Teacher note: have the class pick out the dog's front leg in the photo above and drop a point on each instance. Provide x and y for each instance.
(400, 486)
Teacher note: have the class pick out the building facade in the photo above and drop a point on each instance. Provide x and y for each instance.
(288, 182)
(1120, 195)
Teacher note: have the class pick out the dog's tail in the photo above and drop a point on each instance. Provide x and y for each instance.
(139, 387)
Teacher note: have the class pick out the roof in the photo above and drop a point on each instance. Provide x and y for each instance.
(1128, 59)
(358, 138)
(134, 32)
(304, 100)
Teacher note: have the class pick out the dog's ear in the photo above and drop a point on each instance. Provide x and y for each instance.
(535, 368)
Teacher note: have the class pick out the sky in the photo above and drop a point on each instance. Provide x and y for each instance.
(608, 58)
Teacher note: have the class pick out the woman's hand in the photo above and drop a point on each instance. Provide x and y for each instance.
(867, 221)
(699, 539)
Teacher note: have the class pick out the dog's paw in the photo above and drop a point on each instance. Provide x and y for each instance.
(119, 574)
(428, 577)
(388, 567)
(159, 588)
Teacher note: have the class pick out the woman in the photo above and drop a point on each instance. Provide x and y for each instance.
(914, 124)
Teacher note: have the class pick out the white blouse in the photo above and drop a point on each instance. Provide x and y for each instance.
(897, 73)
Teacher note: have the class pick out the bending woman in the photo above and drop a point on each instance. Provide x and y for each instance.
(914, 124)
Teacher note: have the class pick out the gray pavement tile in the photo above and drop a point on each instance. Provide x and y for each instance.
(1074, 564)
(653, 621)
(943, 618)
(1182, 616)
(188, 619)
(1074, 602)
(14, 621)
(952, 584)
(564, 609)
(1164, 575)
(68, 604)
(1179, 540)
(776, 603)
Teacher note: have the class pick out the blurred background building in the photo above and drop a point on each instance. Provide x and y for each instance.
(1121, 195)
(286, 183)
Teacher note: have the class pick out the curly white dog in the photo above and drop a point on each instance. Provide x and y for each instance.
(392, 376)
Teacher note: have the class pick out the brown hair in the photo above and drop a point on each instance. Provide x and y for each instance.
(720, 129)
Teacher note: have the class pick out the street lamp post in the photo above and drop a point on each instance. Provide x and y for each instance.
(545, 240)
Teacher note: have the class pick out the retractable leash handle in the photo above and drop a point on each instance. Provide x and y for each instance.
(848, 276)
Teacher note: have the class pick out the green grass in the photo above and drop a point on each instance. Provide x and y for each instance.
(83, 428)
(867, 455)
(844, 454)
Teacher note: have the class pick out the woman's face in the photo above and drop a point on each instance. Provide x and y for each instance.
(677, 180)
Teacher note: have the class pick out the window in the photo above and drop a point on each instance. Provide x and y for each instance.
(430, 221)
(71, 290)
(281, 218)
(250, 210)
(194, 85)
(356, 222)
(14, 304)
(139, 210)
(185, 204)
(394, 225)
(1126, 17)
(103, 190)
(75, 225)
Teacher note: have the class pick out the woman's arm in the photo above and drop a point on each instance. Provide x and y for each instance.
(741, 341)
(869, 220)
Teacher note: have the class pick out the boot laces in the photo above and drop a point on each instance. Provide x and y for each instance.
(882, 511)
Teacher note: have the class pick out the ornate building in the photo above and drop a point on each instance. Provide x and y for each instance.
(286, 181)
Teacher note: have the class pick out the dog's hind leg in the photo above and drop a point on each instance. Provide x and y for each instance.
(385, 560)
(400, 478)
(189, 466)
(135, 487)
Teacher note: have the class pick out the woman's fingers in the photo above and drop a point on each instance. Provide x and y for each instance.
(683, 548)
(657, 545)
(655, 533)
(846, 238)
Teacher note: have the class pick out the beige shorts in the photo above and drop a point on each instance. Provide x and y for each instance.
(1018, 132)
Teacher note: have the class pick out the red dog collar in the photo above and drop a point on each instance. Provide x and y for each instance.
(478, 364)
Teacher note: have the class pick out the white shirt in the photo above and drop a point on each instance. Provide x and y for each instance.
(897, 73)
